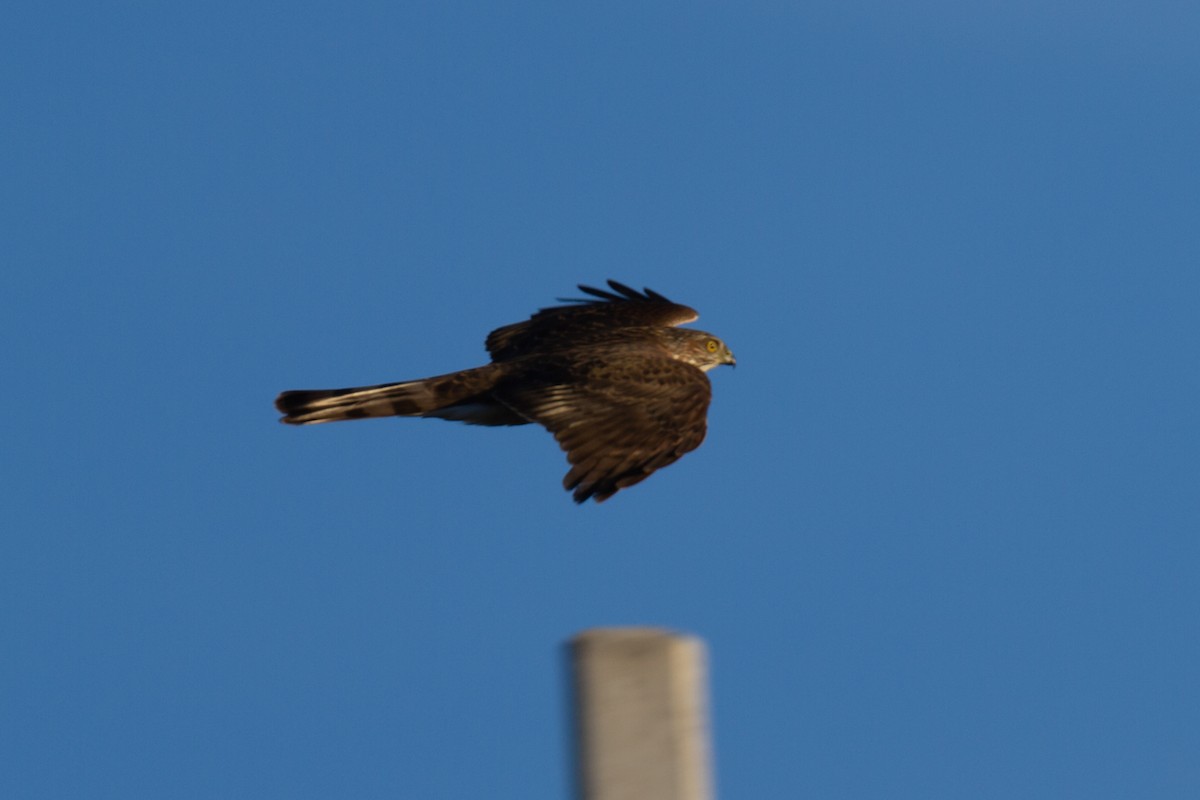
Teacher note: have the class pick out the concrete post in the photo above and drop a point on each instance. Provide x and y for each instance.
(641, 717)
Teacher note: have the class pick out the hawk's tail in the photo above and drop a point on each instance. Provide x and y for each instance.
(460, 396)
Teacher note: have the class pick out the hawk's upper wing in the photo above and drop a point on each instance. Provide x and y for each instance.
(606, 311)
(619, 423)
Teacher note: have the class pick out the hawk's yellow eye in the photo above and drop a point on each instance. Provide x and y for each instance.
(712, 345)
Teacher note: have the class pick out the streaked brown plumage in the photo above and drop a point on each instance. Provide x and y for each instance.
(621, 388)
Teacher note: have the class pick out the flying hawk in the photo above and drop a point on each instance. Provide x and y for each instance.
(621, 388)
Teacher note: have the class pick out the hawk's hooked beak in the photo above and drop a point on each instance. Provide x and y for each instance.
(730, 360)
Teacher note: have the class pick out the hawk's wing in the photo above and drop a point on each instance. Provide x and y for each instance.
(552, 328)
(622, 422)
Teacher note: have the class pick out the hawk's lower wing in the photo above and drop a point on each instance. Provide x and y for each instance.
(617, 421)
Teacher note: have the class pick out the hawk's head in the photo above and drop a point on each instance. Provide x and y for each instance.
(699, 349)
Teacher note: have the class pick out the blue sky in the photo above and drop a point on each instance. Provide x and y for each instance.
(941, 540)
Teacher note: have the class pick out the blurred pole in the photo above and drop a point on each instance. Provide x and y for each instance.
(641, 716)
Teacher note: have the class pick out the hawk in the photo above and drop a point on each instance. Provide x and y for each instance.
(623, 390)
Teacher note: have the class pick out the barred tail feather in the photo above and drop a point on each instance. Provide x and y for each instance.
(306, 407)
(463, 396)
